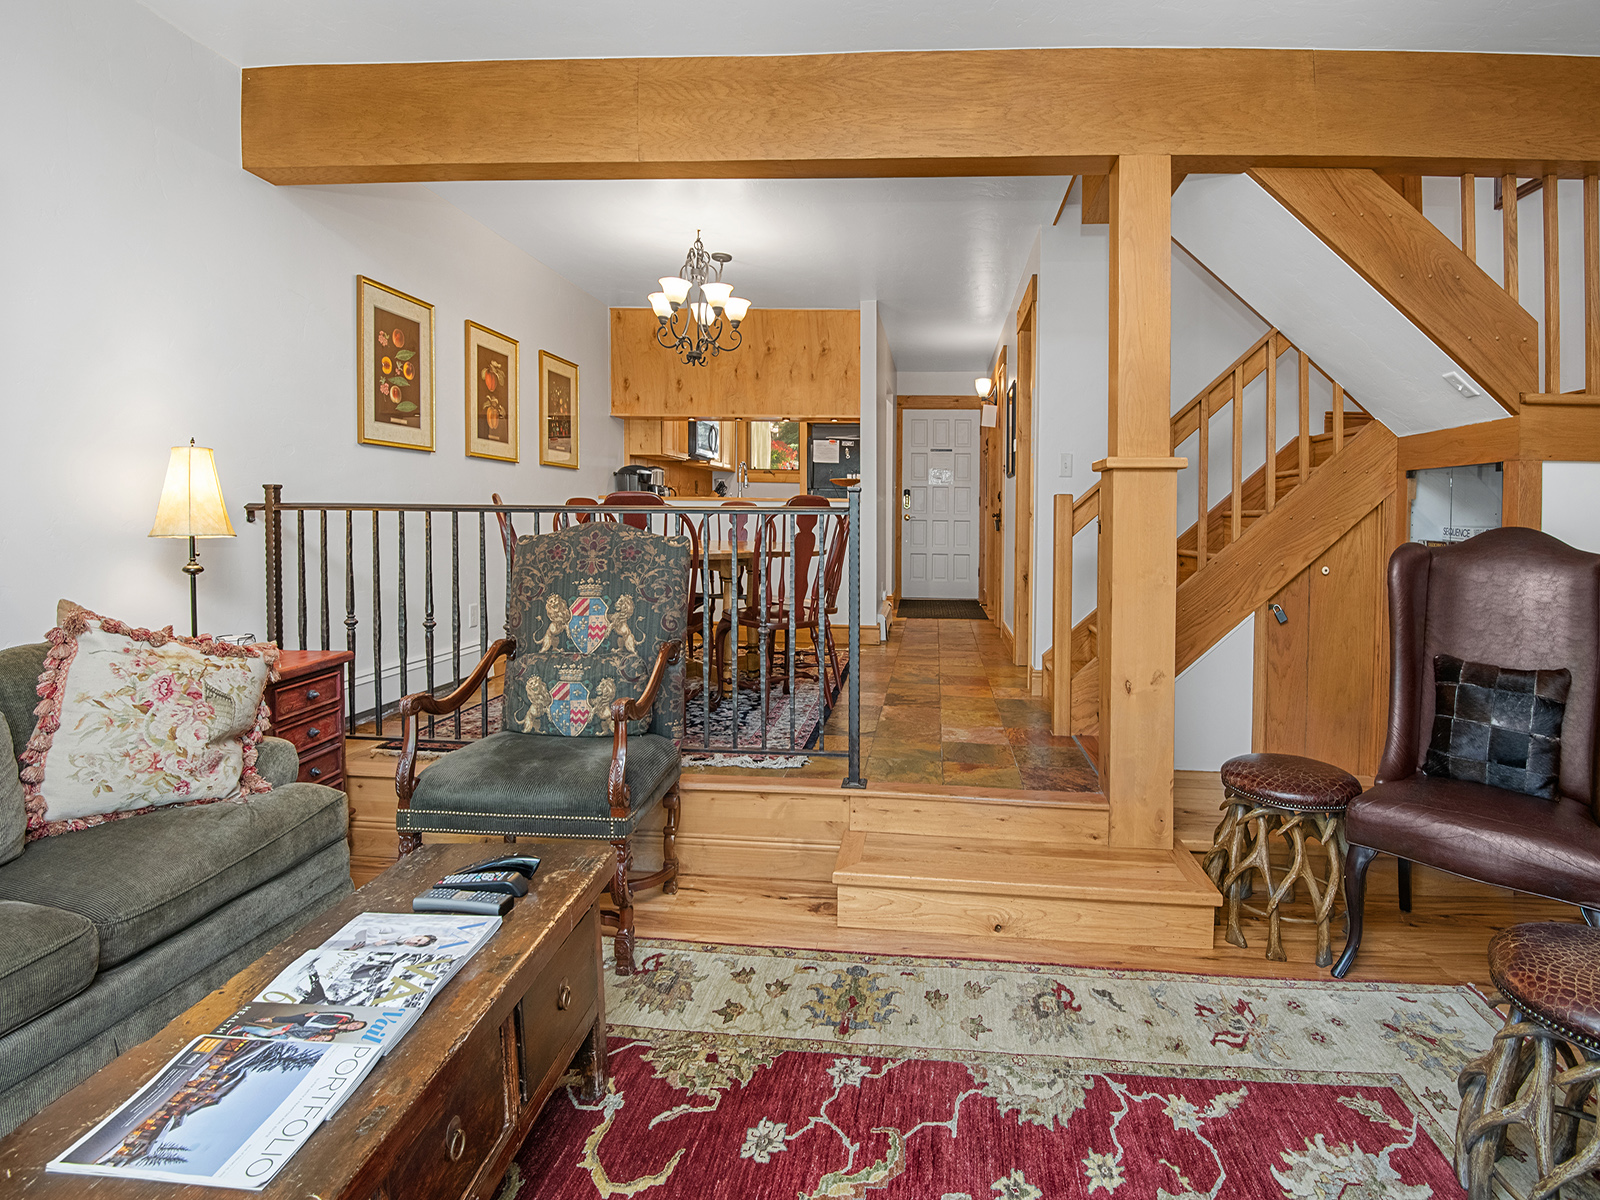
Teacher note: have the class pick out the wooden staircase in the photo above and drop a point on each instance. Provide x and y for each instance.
(1261, 533)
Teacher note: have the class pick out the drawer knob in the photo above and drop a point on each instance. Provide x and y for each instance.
(313, 694)
(315, 771)
(455, 1140)
(564, 996)
(314, 732)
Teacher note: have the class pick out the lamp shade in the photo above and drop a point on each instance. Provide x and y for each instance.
(982, 385)
(191, 498)
(736, 307)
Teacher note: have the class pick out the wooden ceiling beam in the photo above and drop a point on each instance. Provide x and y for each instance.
(1014, 112)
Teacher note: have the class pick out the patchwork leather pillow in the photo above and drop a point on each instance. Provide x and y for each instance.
(132, 720)
(591, 606)
(1497, 725)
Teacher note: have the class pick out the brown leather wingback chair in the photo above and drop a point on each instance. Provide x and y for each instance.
(1514, 598)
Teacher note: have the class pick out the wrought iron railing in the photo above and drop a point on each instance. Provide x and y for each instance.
(747, 560)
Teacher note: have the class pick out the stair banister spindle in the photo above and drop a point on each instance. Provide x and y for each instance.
(1338, 418)
(1552, 287)
(1271, 473)
(1238, 450)
(1202, 534)
(1305, 414)
(1508, 231)
(1469, 216)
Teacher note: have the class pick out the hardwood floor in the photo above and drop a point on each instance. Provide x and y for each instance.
(1442, 940)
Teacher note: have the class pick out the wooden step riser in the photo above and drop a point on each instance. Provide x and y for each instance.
(1001, 918)
(989, 821)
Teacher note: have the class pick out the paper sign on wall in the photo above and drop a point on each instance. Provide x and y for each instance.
(940, 476)
(825, 450)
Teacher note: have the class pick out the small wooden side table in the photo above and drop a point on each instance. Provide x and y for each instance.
(307, 705)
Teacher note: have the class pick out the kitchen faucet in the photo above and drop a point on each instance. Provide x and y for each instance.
(741, 477)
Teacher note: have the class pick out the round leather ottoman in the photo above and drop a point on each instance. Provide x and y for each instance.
(1291, 797)
(1539, 1071)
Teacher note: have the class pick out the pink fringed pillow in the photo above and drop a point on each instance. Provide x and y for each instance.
(132, 720)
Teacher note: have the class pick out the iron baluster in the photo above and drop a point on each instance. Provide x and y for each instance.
(792, 586)
(428, 622)
(455, 608)
(483, 616)
(350, 620)
(377, 631)
(274, 547)
(322, 554)
(402, 632)
(706, 597)
(300, 556)
(854, 779)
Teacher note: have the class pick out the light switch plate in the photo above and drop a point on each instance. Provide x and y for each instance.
(1066, 466)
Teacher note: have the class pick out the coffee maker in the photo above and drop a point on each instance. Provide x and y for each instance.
(635, 478)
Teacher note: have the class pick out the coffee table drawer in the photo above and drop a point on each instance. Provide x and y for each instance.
(457, 1124)
(560, 1002)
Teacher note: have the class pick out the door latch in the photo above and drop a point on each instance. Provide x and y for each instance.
(1277, 611)
(997, 522)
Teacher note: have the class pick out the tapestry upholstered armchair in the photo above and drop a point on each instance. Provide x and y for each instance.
(593, 708)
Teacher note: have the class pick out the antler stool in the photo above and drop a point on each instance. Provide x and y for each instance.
(1294, 797)
(1543, 1063)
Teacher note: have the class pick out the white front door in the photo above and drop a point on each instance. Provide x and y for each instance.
(939, 504)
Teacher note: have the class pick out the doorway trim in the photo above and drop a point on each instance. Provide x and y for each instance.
(901, 403)
(1027, 376)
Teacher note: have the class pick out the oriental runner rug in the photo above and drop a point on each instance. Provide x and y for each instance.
(746, 1072)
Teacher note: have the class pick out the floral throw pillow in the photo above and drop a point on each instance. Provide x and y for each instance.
(131, 720)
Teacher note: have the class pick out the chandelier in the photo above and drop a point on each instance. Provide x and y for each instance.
(698, 314)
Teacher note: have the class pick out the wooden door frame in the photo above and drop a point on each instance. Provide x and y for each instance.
(1022, 562)
(901, 403)
(994, 539)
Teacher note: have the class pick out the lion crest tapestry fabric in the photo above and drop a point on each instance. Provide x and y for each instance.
(590, 608)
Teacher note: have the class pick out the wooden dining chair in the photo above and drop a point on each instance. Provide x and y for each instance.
(634, 500)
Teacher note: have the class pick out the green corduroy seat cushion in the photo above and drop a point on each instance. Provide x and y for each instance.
(539, 785)
(19, 696)
(47, 956)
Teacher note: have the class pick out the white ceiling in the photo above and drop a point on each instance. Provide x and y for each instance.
(941, 256)
(264, 32)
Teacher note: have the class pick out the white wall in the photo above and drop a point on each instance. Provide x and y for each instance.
(882, 415)
(1213, 703)
(937, 383)
(155, 291)
(1571, 500)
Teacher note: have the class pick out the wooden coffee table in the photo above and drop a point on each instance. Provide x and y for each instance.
(444, 1113)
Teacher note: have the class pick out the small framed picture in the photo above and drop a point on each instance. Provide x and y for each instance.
(558, 411)
(394, 335)
(491, 394)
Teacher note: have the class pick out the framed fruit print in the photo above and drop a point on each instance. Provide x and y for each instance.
(394, 335)
(558, 411)
(491, 394)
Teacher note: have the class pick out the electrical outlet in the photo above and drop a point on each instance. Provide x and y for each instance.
(472, 616)
(1459, 381)
(1066, 466)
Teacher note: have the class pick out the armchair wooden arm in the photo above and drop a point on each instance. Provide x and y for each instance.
(628, 709)
(405, 775)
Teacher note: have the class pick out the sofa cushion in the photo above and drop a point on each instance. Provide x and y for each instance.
(47, 957)
(1545, 847)
(20, 667)
(277, 761)
(13, 804)
(144, 879)
(539, 786)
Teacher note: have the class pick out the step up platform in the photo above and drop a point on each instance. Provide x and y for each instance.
(991, 888)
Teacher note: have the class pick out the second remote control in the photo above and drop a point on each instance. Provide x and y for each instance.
(510, 883)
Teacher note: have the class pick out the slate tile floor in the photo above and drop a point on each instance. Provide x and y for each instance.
(942, 706)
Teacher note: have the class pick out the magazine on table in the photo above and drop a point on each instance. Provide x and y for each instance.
(234, 1105)
(228, 1112)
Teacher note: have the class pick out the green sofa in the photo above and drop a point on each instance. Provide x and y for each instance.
(108, 933)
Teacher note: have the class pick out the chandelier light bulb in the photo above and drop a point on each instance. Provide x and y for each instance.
(661, 305)
(717, 293)
(677, 290)
(703, 313)
(982, 385)
(735, 308)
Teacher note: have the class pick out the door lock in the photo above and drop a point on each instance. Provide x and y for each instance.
(1277, 611)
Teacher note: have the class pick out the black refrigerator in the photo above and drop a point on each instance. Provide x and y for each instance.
(824, 443)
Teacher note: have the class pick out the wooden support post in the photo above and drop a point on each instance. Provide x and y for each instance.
(1552, 288)
(1338, 418)
(1305, 414)
(1522, 489)
(1469, 216)
(1061, 621)
(1271, 472)
(1138, 577)
(1508, 230)
(1202, 528)
(1238, 452)
(1591, 284)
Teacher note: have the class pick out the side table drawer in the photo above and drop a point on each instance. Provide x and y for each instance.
(458, 1125)
(310, 733)
(325, 766)
(559, 1002)
(319, 691)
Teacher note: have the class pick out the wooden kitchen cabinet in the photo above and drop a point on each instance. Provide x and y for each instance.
(647, 438)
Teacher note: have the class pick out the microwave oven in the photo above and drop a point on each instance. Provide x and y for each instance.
(705, 440)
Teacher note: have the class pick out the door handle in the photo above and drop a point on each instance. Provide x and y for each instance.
(997, 522)
(905, 517)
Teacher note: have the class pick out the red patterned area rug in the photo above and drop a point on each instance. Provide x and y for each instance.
(747, 1072)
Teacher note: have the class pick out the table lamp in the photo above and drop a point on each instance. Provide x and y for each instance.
(191, 506)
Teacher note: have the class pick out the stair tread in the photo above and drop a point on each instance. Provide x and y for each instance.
(915, 863)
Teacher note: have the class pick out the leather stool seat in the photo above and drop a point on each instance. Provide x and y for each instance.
(1551, 971)
(1290, 781)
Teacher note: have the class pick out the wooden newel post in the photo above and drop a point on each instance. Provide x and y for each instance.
(1061, 620)
(1138, 572)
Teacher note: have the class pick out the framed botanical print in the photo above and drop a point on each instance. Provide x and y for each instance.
(394, 334)
(558, 411)
(491, 394)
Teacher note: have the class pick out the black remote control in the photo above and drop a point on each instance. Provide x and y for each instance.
(509, 882)
(452, 900)
(523, 864)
